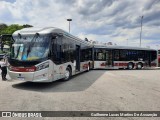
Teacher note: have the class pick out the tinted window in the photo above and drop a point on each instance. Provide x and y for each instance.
(86, 54)
(122, 56)
(100, 54)
(153, 55)
(68, 50)
(116, 55)
(56, 50)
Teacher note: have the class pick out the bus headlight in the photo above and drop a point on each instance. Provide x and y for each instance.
(42, 66)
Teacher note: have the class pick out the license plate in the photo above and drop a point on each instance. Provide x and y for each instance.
(20, 78)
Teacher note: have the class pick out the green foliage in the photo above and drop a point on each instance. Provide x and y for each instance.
(9, 29)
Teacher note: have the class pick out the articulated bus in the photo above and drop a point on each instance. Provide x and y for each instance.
(115, 57)
(47, 54)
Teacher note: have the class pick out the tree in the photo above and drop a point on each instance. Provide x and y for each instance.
(27, 26)
(4, 29)
(2, 26)
(9, 29)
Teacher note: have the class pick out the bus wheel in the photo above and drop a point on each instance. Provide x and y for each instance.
(67, 74)
(130, 66)
(139, 66)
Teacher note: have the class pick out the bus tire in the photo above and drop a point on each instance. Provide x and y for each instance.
(67, 74)
(130, 66)
(139, 66)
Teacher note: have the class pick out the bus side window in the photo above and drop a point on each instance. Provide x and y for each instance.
(122, 55)
(56, 50)
(116, 55)
(52, 49)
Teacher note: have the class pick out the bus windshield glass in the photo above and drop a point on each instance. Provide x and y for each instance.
(31, 47)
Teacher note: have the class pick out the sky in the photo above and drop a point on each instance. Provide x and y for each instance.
(116, 21)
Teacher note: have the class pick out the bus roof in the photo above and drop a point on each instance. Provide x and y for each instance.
(121, 47)
(34, 30)
(47, 30)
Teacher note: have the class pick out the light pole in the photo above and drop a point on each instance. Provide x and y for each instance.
(141, 30)
(69, 20)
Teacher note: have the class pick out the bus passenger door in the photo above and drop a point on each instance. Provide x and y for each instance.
(148, 59)
(109, 58)
(77, 58)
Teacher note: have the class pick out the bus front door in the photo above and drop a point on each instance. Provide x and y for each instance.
(77, 58)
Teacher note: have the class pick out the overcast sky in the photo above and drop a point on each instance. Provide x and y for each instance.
(101, 20)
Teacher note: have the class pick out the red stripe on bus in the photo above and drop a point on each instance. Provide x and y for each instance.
(116, 64)
(85, 66)
(103, 64)
(25, 69)
(123, 64)
(120, 64)
(153, 64)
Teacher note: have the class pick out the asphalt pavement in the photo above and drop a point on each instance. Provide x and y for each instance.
(96, 90)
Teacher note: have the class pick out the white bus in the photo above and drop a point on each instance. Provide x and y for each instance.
(47, 54)
(126, 57)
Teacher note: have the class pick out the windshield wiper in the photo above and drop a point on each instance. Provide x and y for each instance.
(17, 52)
(34, 38)
(29, 50)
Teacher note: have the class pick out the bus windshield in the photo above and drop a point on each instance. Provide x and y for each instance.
(28, 48)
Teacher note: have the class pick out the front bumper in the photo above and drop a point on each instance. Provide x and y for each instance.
(38, 76)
